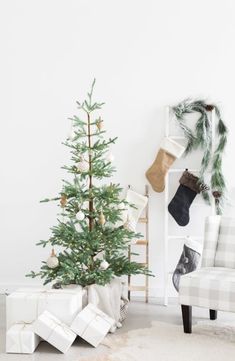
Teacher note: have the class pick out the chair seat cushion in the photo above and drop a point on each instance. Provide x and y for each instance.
(210, 287)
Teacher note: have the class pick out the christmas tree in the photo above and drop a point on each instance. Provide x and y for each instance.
(92, 244)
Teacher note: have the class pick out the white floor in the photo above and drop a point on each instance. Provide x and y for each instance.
(140, 316)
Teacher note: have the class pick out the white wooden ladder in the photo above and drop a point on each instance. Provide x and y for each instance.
(172, 172)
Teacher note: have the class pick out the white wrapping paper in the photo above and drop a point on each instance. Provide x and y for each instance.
(20, 338)
(26, 304)
(49, 327)
(92, 324)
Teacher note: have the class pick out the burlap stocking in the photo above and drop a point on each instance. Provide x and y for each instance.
(169, 151)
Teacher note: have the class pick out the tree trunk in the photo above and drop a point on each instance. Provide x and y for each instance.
(91, 208)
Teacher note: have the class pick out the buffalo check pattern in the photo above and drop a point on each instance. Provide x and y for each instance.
(213, 286)
(209, 287)
(211, 234)
(225, 253)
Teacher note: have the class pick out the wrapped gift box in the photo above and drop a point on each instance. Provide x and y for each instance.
(26, 304)
(20, 338)
(92, 324)
(52, 330)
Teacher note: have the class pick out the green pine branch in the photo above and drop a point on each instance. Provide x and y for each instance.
(81, 241)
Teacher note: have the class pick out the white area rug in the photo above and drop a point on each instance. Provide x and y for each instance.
(167, 342)
(218, 329)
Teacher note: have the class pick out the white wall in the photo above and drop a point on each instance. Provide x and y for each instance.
(144, 54)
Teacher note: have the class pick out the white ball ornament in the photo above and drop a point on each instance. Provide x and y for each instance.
(104, 265)
(82, 166)
(80, 216)
(52, 261)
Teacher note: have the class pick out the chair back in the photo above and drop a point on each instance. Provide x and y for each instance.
(211, 235)
(219, 242)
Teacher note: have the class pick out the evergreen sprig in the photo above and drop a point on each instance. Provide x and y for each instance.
(201, 137)
(85, 243)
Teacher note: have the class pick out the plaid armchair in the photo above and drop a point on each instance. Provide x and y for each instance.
(213, 285)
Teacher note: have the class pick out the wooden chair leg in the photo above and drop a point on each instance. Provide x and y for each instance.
(213, 314)
(187, 318)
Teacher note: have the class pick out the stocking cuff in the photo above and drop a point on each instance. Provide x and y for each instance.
(194, 245)
(137, 199)
(191, 181)
(172, 147)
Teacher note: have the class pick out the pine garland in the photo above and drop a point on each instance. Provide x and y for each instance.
(201, 137)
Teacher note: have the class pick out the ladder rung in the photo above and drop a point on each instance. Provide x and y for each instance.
(137, 288)
(143, 220)
(141, 242)
(177, 237)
